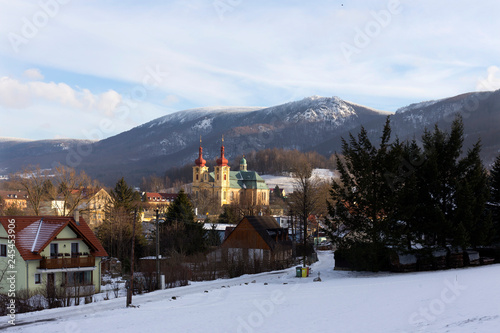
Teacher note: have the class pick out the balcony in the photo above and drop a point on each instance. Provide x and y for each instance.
(67, 262)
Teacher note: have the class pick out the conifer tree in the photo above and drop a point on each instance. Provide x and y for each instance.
(181, 210)
(362, 202)
(495, 196)
(453, 190)
(181, 232)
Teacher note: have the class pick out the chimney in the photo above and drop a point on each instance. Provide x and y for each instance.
(76, 215)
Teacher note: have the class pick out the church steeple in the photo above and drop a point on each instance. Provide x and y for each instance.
(222, 161)
(243, 164)
(200, 161)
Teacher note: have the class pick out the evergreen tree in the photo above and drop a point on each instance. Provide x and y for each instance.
(229, 215)
(495, 181)
(116, 231)
(495, 197)
(213, 238)
(181, 232)
(453, 190)
(181, 210)
(124, 196)
(363, 201)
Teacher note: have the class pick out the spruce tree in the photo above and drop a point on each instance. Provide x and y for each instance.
(181, 210)
(185, 234)
(363, 200)
(495, 197)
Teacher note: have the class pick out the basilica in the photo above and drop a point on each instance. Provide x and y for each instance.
(240, 187)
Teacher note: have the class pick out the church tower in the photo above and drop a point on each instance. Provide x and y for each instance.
(243, 164)
(200, 172)
(221, 177)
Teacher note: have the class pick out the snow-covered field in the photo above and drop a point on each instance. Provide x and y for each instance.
(287, 183)
(458, 300)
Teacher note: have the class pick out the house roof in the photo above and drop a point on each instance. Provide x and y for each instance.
(34, 234)
(159, 197)
(14, 194)
(267, 227)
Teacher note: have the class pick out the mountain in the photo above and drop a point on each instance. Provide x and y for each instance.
(313, 123)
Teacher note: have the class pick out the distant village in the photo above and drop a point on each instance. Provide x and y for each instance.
(71, 238)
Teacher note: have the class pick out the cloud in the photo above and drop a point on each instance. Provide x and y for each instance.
(33, 73)
(492, 81)
(18, 95)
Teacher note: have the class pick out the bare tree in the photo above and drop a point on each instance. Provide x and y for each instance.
(305, 197)
(32, 180)
(153, 183)
(72, 187)
(206, 202)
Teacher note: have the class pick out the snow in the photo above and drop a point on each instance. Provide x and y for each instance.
(416, 106)
(287, 182)
(458, 300)
(193, 114)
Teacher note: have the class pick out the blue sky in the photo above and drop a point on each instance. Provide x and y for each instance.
(92, 69)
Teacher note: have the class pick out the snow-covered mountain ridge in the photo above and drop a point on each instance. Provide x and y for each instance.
(312, 123)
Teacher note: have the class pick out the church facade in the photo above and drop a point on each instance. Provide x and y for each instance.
(240, 187)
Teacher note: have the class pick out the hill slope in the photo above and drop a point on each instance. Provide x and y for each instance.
(313, 123)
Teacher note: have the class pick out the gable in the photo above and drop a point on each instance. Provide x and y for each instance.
(244, 235)
(34, 234)
(67, 232)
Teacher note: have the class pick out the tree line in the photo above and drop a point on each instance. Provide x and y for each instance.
(412, 197)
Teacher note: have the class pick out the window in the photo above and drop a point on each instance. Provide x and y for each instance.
(3, 250)
(79, 278)
(54, 250)
(224, 176)
(75, 248)
(38, 279)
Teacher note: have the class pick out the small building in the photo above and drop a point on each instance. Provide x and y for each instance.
(14, 198)
(93, 206)
(259, 237)
(154, 201)
(51, 250)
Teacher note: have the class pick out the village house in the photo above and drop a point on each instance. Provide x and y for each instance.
(154, 201)
(51, 251)
(90, 202)
(259, 237)
(14, 198)
(93, 206)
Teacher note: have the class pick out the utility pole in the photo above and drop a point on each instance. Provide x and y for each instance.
(158, 284)
(131, 284)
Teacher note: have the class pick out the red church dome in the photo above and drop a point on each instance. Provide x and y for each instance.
(200, 161)
(222, 161)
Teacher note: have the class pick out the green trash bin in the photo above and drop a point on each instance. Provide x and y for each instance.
(298, 271)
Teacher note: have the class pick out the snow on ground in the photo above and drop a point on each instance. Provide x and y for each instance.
(458, 300)
(287, 182)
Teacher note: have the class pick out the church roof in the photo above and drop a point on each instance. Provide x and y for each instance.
(246, 179)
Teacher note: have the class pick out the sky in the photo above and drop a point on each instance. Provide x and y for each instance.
(93, 69)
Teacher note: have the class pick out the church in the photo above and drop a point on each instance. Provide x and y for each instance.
(241, 187)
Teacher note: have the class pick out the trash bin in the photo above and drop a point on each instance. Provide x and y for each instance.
(305, 271)
(298, 271)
